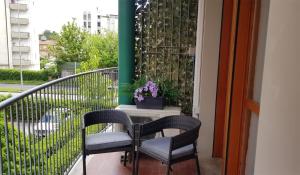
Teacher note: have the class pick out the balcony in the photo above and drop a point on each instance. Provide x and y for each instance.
(16, 61)
(42, 129)
(20, 35)
(19, 21)
(22, 49)
(18, 7)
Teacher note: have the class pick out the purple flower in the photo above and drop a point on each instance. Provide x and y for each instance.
(140, 90)
(146, 88)
(150, 88)
(135, 95)
(154, 94)
(140, 98)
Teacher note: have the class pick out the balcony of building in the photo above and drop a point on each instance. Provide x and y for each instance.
(20, 35)
(18, 7)
(20, 49)
(19, 21)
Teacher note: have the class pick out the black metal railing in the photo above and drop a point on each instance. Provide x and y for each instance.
(40, 128)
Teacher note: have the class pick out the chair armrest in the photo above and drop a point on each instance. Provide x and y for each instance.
(184, 139)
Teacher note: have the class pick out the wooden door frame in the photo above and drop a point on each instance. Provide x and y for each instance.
(245, 54)
(227, 46)
(237, 50)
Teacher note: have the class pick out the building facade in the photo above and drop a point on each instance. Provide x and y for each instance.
(19, 36)
(94, 21)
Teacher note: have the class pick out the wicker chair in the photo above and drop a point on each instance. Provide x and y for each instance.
(107, 141)
(170, 150)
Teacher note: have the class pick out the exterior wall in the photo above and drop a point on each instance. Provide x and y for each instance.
(206, 73)
(5, 41)
(30, 59)
(107, 22)
(278, 140)
(44, 48)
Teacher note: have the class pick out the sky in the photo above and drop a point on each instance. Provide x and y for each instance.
(52, 14)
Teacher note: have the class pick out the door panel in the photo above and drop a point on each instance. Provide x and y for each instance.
(245, 93)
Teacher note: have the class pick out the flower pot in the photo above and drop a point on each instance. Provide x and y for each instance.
(150, 103)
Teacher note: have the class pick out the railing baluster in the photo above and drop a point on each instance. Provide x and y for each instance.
(24, 138)
(29, 135)
(44, 137)
(63, 131)
(19, 140)
(37, 133)
(42, 129)
(56, 140)
(49, 150)
(1, 162)
(6, 141)
(13, 139)
(34, 132)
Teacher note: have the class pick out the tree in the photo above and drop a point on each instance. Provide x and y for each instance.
(69, 45)
(49, 35)
(102, 51)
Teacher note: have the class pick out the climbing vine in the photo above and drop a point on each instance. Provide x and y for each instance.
(165, 40)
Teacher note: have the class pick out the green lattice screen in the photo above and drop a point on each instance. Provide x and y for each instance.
(165, 43)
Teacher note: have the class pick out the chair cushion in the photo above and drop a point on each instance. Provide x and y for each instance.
(107, 140)
(159, 148)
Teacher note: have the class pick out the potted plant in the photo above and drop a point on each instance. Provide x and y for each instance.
(149, 94)
(146, 97)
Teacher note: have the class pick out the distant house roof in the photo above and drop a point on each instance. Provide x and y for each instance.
(47, 42)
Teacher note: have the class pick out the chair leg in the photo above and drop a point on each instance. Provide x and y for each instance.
(125, 158)
(133, 162)
(197, 165)
(136, 171)
(168, 169)
(84, 164)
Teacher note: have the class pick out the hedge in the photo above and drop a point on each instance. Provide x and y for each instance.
(14, 74)
(4, 97)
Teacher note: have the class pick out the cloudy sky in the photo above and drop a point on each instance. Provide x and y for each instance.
(52, 14)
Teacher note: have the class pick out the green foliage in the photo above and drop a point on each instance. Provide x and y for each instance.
(49, 35)
(92, 51)
(43, 62)
(102, 50)
(14, 74)
(165, 33)
(69, 43)
(4, 97)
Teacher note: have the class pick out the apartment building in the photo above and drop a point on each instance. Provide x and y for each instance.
(94, 21)
(19, 38)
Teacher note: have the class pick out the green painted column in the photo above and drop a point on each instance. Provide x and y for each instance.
(126, 48)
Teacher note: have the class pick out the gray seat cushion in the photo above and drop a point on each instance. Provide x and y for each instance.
(159, 148)
(107, 140)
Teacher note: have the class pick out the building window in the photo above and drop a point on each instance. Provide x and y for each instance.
(98, 24)
(84, 16)
(89, 16)
(99, 17)
(89, 25)
(84, 24)
(98, 31)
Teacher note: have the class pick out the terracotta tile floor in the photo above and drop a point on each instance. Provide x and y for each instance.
(109, 164)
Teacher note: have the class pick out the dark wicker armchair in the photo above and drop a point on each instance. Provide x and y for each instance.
(170, 150)
(107, 141)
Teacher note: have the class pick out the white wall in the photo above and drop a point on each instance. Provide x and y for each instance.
(278, 141)
(209, 57)
(5, 41)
